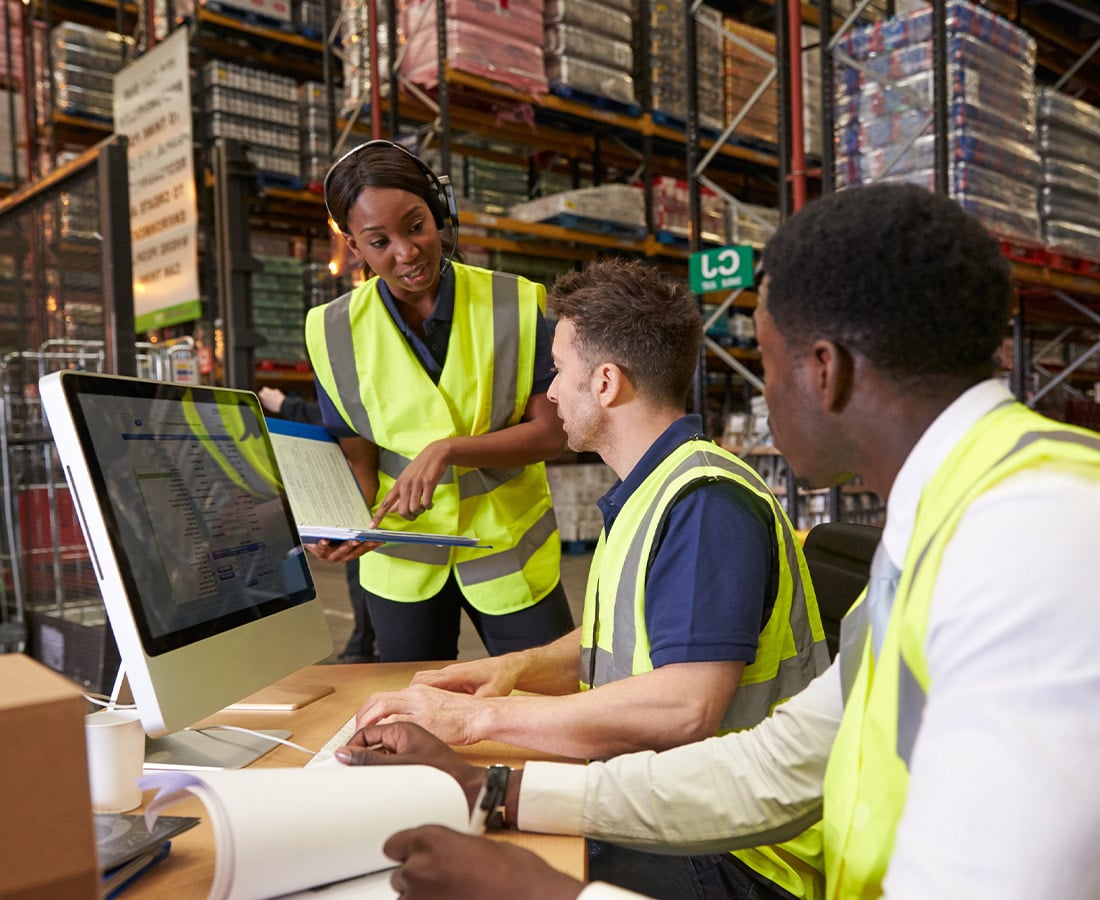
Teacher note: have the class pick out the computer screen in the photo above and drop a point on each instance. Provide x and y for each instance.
(189, 529)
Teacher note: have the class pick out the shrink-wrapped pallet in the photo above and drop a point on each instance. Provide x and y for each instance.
(499, 41)
(884, 121)
(1068, 139)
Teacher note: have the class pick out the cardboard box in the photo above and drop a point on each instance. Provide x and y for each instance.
(47, 836)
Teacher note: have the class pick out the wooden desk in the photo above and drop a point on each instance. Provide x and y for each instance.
(189, 869)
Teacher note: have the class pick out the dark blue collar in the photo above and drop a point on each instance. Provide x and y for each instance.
(683, 429)
(444, 300)
(437, 325)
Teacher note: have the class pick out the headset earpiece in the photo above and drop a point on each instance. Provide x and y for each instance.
(447, 201)
(444, 210)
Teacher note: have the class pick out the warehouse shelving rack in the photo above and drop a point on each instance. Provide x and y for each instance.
(1057, 294)
(66, 293)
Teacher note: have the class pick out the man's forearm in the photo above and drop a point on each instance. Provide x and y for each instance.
(672, 705)
(740, 790)
(553, 668)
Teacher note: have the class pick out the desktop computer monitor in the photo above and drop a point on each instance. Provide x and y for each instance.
(190, 534)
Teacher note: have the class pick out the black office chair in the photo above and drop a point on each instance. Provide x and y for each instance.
(839, 556)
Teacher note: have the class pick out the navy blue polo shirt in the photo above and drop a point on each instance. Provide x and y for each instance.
(431, 350)
(712, 581)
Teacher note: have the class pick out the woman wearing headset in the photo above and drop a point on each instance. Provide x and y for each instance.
(433, 375)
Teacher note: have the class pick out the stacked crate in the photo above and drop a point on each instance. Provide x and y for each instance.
(278, 308)
(811, 90)
(668, 61)
(875, 10)
(315, 136)
(493, 186)
(574, 490)
(1069, 196)
(274, 13)
(884, 130)
(321, 285)
(309, 16)
(500, 40)
(258, 107)
(430, 156)
(606, 208)
(11, 41)
(13, 138)
(84, 62)
(752, 224)
(588, 49)
(355, 52)
(672, 212)
(745, 70)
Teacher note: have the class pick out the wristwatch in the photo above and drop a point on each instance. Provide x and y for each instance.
(496, 790)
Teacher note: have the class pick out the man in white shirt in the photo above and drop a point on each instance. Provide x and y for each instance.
(951, 746)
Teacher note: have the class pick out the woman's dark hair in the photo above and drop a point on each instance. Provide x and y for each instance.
(626, 312)
(384, 165)
(901, 275)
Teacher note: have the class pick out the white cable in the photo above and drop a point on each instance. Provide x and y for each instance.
(259, 734)
(104, 701)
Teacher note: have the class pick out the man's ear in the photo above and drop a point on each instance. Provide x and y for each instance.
(833, 369)
(609, 384)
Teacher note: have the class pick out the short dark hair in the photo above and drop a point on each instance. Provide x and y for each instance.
(378, 164)
(626, 312)
(903, 276)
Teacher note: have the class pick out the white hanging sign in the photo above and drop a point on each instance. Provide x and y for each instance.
(152, 107)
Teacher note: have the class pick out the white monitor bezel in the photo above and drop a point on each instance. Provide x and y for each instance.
(175, 686)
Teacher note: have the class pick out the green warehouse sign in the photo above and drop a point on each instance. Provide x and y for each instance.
(721, 269)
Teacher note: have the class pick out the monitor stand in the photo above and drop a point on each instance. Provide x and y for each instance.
(211, 748)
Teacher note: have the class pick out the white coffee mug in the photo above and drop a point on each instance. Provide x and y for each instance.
(116, 753)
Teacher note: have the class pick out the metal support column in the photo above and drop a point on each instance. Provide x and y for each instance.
(939, 92)
(691, 150)
(828, 117)
(234, 186)
(444, 89)
(116, 257)
(783, 93)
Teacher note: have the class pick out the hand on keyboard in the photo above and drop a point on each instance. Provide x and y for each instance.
(342, 736)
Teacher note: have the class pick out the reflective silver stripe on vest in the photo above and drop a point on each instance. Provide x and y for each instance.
(603, 661)
(751, 702)
(341, 353)
(505, 348)
(853, 635)
(482, 481)
(508, 562)
(506, 340)
(393, 464)
(873, 616)
(429, 554)
(911, 699)
(911, 696)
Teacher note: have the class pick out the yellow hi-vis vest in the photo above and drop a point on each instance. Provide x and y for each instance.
(380, 388)
(868, 772)
(791, 651)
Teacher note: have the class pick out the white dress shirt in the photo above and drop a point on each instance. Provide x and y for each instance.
(1004, 790)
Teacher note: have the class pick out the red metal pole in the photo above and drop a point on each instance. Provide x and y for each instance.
(798, 145)
(375, 79)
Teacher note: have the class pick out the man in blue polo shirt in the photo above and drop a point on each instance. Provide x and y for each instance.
(699, 616)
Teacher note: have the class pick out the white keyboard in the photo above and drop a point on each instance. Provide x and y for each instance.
(324, 755)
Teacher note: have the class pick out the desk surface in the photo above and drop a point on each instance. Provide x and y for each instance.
(189, 869)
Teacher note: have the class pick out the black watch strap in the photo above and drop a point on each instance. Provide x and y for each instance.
(496, 791)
